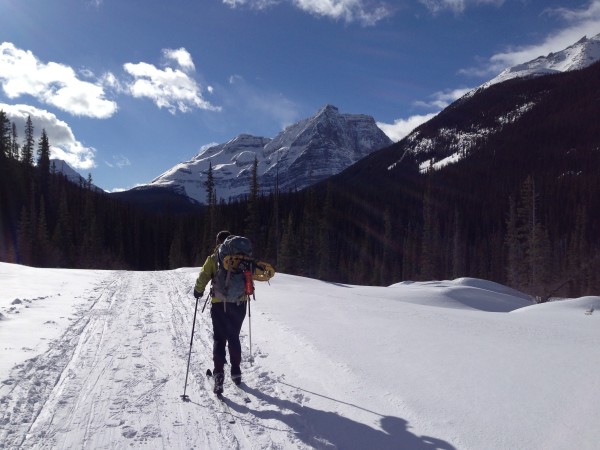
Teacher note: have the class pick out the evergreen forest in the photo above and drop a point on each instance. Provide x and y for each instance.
(524, 210)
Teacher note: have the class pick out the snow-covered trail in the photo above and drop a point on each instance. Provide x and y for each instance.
(114, 378)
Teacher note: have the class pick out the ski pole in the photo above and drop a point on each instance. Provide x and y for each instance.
(184, 397)
(251, 359)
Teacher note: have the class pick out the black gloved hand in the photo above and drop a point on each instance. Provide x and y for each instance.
(197, 294)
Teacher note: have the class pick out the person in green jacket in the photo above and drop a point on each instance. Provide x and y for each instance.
(227, 319)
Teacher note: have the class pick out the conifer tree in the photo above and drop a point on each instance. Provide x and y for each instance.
(14, 151)
(514, 262)
(5, 136)
(428, 233)
(210, 230)
(43, 161)
(324, 248)
(252, 218)
(27, 153)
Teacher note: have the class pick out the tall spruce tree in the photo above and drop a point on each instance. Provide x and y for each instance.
(14, 150)
(210, 231)
(5, 136)
(43, 162)
(27, 153)
(252, 218)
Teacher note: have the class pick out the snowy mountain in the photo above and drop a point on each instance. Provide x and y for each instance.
(302, 154)
(473, 120)
(98, 359)
(578, 56)
(72, 175)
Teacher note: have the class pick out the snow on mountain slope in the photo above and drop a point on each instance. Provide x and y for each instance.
(577, 56)
(450, 143)
(304, 153)
(72, 175)
(336, 366)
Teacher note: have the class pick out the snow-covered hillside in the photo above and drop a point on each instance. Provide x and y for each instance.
(72, 175)
(449, 144)
(97, 359)
(577, 56)
(302, 154)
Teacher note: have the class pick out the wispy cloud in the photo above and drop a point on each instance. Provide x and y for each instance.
(437, 101)
(172, 88)
(455, 6)
(365, 12)
(63, 144)
(579, 22)
(118, 161)
(58, 85)
(260, 102)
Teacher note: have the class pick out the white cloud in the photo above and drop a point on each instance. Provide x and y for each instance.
(402, 127)
(182, 57)
(456, 6)
(365, 12)
(441, 99)
(438, 101)
(173, 89)
(255, 4)
(21, 73)
(118, 161)
(63, 144)
(579, 22)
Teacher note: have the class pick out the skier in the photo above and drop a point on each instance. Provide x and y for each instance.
(227, 318)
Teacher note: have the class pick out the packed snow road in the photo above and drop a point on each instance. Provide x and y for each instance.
(115, 378)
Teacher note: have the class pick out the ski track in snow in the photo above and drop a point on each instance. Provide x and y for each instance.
(114, 380)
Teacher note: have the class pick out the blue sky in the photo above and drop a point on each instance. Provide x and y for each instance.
(126, 89)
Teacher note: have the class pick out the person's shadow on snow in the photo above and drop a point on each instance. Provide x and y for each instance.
(326, 429)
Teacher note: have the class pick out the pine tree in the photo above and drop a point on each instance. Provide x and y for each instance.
(210, 230)
(428, 235)
(14, 153)
(514, 262)
(287, 249)
(252, 218)
(5, 136)
(43, 162)
(27, 153)
(325, 247)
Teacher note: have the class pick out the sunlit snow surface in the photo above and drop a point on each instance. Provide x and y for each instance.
(97, 359)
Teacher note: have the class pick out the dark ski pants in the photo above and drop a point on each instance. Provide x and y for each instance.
(227, 323)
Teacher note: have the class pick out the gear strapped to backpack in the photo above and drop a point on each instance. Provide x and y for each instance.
(237, 270)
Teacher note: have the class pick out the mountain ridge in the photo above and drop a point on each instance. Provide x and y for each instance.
(306, 152)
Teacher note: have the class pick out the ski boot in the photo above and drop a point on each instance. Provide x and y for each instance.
(219, 378)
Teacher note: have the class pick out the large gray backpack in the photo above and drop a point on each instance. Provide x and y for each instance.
(229, 282)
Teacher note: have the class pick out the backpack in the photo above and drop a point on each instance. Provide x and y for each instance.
(233, 279)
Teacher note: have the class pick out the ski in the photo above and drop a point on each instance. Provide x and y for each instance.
(238, 389)
(223, 406)
(241, 393)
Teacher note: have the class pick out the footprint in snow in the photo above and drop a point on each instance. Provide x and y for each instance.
(128, 432)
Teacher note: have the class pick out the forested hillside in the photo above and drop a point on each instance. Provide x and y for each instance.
(521, 208)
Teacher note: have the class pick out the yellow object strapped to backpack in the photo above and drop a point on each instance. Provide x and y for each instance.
(262, 271)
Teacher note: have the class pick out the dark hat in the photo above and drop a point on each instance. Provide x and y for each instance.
(222, 235)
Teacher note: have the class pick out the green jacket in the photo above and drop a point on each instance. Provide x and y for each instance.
(207, 273)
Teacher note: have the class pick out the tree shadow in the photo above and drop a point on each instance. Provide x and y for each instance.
(326, 429)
